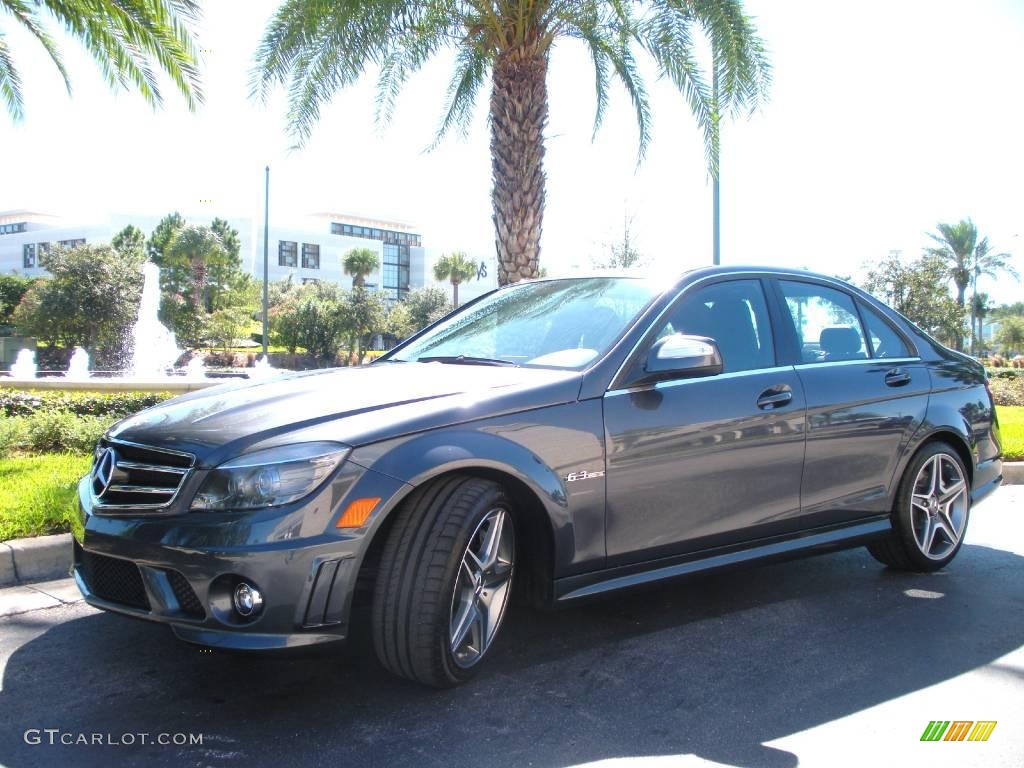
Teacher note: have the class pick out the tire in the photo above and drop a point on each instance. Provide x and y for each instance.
(929, 520)
(429, 586)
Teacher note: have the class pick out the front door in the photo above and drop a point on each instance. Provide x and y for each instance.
(703, 462)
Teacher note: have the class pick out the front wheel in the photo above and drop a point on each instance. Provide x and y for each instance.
(930, 517)
(444, 581)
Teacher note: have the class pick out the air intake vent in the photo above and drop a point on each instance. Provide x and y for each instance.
(128, 476)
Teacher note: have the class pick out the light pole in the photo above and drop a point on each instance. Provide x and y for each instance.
(266, 259)
(716, 223)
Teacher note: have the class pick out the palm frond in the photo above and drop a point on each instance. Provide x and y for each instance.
(25, 15)
(471, 67)
(10, 82)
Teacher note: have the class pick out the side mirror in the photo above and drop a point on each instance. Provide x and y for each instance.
(682, 357)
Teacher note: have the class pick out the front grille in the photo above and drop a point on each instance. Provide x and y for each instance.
(125, 475)
(187, 599)
(110, 578)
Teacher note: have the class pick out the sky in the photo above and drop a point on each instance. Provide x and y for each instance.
(884, 118)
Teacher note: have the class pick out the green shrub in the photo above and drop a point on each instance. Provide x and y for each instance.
(52, 433)
(113, 404)
(1007, 390)
(13, 435)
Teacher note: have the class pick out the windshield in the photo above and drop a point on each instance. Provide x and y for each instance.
(553, 323)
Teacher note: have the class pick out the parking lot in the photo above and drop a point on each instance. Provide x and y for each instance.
(826, 661)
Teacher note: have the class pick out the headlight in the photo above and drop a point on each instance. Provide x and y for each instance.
(269, 478)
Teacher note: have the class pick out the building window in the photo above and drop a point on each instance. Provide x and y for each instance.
(10, 229)
(43, 249)
(287, 253)
(71, 243)
(28, 256)
(310, 280)
(395, 270)
(310, 256)
(371, 233)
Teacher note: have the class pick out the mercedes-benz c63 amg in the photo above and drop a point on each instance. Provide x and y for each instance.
(566, 437)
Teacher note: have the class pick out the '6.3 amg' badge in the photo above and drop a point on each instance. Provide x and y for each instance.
(583, 474)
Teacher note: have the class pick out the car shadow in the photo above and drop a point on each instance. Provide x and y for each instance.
(714, 666)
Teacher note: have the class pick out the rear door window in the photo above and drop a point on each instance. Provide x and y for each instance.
(826, 322)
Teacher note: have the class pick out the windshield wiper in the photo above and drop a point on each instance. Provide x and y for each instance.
(466, 360)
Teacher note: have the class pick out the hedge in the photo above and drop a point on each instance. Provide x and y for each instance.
(116, 405)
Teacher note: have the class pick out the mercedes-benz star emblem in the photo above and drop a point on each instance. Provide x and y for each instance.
(104, 471)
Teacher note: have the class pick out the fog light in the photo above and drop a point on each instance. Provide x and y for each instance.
(248, 600)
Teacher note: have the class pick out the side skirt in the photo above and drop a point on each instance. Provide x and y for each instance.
(811, 542)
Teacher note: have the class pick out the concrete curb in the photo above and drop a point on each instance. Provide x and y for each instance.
(1013, 473)
(40, 558)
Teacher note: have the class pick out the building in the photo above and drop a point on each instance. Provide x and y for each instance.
(307, 250)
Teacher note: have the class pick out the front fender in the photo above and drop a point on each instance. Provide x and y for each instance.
(537, 450)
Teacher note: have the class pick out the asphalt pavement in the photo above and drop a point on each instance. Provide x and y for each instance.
(832, 660)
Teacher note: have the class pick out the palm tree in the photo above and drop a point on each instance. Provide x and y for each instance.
(956, 246)
(981, 306)
(314, 48)
(360, 262)
(456, 268)
(125, 37)
(194, 248)
(988, 264)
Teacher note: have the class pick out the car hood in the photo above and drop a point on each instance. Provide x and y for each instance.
(354, 406)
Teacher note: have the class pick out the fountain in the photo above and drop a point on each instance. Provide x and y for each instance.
(155, 348)
(154, 352)
(78, 365)
(196, 369)
(24, 365)
(262, 368)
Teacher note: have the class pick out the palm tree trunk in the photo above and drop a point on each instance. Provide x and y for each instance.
(455, 295)
(519, 113)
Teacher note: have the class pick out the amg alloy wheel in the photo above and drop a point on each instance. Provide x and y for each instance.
(482, 588)
(444, 580)
(931, 513)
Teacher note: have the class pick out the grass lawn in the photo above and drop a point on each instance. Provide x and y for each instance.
(39, 493)
(1011, 428)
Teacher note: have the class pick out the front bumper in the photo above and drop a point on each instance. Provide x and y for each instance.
(181, 568)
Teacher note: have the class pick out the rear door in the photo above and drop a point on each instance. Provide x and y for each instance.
(867, 393)
(702, 462)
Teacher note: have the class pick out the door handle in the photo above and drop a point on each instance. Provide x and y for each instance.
(896, 377)
(774, 398)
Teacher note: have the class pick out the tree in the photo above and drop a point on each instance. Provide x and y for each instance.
(1011, 335)
(90, 300)
(12, 289)
(1008, 310)
(129, 240)
(191, 252)
(456, 268)
(956, 249)
(360, 262)
(128, 39)
(919, 291)
(314, 48)
(365, 314)
(981, 308)
(314, 317)
(399, 321)
(165, 231)
(623, 254)
(426, 306)
(986, 263)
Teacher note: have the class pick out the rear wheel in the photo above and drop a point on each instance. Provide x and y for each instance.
(930, 517)
(444, 581)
